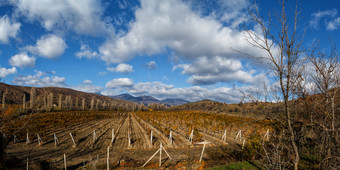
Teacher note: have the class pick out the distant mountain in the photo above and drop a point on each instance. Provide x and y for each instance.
(175, 102)
(149, 99)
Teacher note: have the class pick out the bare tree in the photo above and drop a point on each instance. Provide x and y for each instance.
(4, 98)
(326, 67)
(284, 52)
(83, 104)
(32, 97)
(60, 104)
(50, 101)
(45, 100)
(24, 102)
(77, 103)
(97, 104)
(92, 103)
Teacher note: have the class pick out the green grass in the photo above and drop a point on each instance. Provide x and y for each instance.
(236, 165)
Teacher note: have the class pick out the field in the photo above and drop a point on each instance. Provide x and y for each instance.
(128, 136)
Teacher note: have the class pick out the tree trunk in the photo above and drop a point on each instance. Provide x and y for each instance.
(4, 99)
(77, 104)
(24, 102)
(60, 101)
(292, 135)
(32, 97)
(83, 104)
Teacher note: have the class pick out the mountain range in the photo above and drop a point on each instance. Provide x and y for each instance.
(149, 99)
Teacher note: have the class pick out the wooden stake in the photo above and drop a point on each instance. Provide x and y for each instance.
(191, 136)
(170, 136)
(244, 141)
(239, 134)
(94, 136)
(224, 137)
(39, 140)
(267, 134)
(151, 157)
(107, 158)
(160, 155)
(56, 141)
(4, 136)
(112, 136)
(129, 138)
(27, 139)
(202, 143)
(65, 164)
(74, 143)
(15, 139)
(151, 137)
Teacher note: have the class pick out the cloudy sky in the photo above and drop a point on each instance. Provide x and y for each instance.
(164, 48)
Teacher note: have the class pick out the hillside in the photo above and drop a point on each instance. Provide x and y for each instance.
(15, 95)
(149, 99)
(203, 105)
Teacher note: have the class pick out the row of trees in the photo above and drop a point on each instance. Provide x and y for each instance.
(49, 101)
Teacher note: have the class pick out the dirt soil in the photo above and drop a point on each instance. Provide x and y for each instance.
(91, 150)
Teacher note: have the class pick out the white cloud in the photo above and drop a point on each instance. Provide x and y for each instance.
(333, 24)
(121, 68)
(209, 71)
(151, 65)
(317, 16)
(41, 79)
(87, 82)
(22, 60)
(8, 29)
(48, 46)
(82, 17)
(86, 52)
(119, 82)
(162, 25)
(4, 72)
(88, 87)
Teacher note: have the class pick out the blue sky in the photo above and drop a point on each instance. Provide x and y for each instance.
(164, 48)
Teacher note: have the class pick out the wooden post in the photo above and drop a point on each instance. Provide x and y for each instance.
(74, 143)
(94, 136)
(202, 153)
(4, 136)
(244, 141)
(129, 142)
(224, 137)
(191, 136)
(160, 155)
(112, 136)
(65, 164)
(151, 137)
(203, 143)
(267, 134)
(27, 139)
(39, 140)
(107, 158)
(56, 141)
(15, 139)
(239, 134)
(170, 136)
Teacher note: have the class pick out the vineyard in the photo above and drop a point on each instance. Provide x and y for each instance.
(132, 138)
